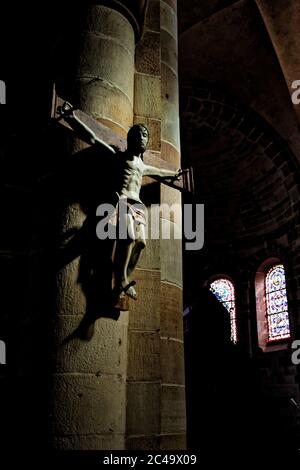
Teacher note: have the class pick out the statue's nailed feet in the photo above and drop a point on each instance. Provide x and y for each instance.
(125, 289)
(130, 291)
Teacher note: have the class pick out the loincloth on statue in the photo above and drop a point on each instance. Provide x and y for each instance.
(129, 206)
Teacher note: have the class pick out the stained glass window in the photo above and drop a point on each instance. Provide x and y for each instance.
(277, 304)
(225, 293)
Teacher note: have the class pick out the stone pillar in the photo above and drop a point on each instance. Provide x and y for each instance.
(173, 424)
(89, 379)
(143, 392)
(282, 19)
(125, 387)
(106, 68)
(155, 394)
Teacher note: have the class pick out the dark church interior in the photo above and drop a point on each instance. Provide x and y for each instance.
(205, 358)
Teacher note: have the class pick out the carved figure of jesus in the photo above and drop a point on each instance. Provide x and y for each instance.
(131, 170)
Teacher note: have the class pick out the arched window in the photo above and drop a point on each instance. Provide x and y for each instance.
(224, 290)
(277, 304)
(273, 325)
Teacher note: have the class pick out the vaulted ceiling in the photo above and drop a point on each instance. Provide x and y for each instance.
(235, 104)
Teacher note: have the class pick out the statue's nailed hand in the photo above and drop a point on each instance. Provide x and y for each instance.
(66, 110)
(178, 175)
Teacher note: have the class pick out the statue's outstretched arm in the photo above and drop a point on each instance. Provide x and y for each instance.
(161, 172)
(83, 131)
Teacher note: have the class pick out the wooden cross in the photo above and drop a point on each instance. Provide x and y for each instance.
(186, 182)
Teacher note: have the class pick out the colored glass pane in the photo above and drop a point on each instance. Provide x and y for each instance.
(277, 304)
(223, 289)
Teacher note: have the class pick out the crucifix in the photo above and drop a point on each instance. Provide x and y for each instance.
(131, 167)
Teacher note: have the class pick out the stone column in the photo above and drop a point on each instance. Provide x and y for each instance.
(125, 387)
(155, 394)
(89, 379)
(282, 19)
(105, 70)
(173, 424)
(143, 392)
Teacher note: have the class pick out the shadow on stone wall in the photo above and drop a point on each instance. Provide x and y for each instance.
(229, 409)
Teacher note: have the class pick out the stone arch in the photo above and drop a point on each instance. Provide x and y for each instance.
(207, 112)
(254, 269)
(263, 206)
